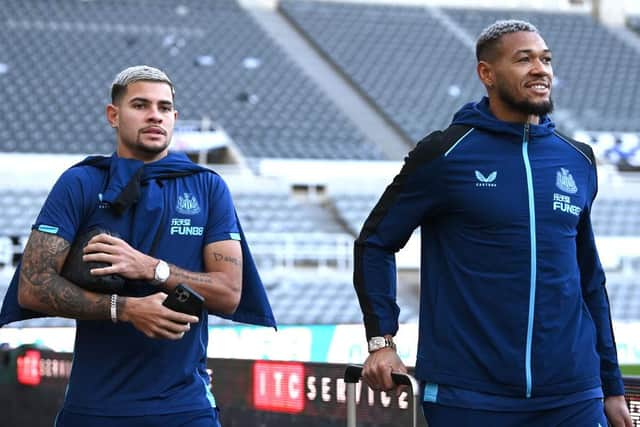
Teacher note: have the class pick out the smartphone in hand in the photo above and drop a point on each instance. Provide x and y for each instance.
(185, 300)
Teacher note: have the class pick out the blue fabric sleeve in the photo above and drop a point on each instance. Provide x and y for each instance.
(66, 205)
(415, 193)
(592, 279)
(222, 223)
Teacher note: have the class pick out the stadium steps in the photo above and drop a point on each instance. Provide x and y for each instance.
(330, 79)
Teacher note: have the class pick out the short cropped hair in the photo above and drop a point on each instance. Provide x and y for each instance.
(136, 74)
(489, 38)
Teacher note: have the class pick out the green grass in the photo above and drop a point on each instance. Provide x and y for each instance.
(630, 369)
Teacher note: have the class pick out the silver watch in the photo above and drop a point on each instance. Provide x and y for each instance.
(377, 343)
(161, 273)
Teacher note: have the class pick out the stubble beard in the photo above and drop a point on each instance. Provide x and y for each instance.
(525, 106)
(146, 149)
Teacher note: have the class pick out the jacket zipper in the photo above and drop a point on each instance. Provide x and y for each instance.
(532, 280)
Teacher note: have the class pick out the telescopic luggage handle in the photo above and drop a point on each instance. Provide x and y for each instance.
(352, 375)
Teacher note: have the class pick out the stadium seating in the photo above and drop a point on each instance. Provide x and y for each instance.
(354, 208)
(19, 210)
(286, 232)
(61, 60)
(305, 300)
(624, 297)
(283, 230)
(616, 217)
(6, 252)
(418, 71)
(633, 22)
(614, 147)
(295, 300)
(264, 212)
(414, 63)
(599, 90)
(403, 58)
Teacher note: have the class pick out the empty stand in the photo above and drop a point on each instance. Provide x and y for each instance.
(57, 61)
(263, 212)
(403, 58)
(60, 62)
(410, 64)
(616, 217)
(624, 298)
(596, 75)
(6, 252)
(622, 148)
(283, 230)
(354, 208)
(19, 210)
(315, 302)
(301, 300)
(286, 232)
(633, 22)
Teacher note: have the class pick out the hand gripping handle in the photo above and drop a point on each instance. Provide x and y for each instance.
(352, 375)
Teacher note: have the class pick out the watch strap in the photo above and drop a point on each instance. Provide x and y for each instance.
(378, 343)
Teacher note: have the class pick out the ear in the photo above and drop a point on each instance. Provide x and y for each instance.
(112, 114)
(486, 74)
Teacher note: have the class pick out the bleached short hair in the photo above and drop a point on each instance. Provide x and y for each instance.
(136, 74)
(490, 36)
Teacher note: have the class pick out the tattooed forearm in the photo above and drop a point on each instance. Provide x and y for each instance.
(43, 289)
(184, 275)
(42, 254)
(225, 258)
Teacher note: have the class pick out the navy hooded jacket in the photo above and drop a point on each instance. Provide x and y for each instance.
(513, 299)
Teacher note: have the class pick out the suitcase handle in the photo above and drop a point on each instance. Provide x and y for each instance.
(352, 375)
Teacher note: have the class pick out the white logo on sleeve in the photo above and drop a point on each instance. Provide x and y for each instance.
(565, 182)
(486, 181)
(101, 203)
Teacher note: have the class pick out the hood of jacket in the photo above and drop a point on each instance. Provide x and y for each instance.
(479, 116)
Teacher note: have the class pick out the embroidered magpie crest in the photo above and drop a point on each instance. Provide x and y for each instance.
(565, 182)
(187, 204)
(486, 181)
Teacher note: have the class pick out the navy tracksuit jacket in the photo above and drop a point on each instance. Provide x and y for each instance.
(513, 299)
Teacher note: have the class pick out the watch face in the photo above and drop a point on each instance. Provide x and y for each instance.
(162, 271)
(376, 343)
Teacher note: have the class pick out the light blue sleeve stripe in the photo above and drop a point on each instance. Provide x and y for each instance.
(234, 236)
(48, 229)
(574, 147)
(458, 142)
(430, 393)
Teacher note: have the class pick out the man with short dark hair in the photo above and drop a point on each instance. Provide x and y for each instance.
(515, 328)
(167, 221)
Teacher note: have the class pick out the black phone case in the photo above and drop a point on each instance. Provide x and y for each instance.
(185, 300)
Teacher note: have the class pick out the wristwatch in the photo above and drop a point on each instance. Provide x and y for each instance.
(377, 343)
(161, 273)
